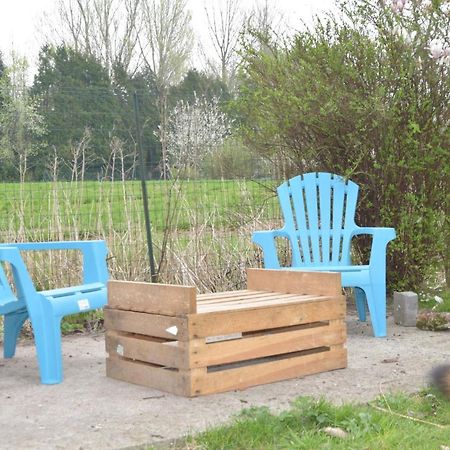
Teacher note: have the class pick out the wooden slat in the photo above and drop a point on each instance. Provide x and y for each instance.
(262, 296)
(145, 349)
(228, 322)
(203, 354)
(291, 328)
(152, 298)
(212, 295)
(258, 303)
(294, 281)
(148, 324)
(236, 296)
(243, 377)
(177, 382)
(258, 296)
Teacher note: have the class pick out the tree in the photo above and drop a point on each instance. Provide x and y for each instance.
(225, 24)
(2, 65)
(196, 130)
(20, 124)
(196, 84)
(75, 95)
(366, 97)
(165, 45)
(263, 26)
(2, 71)
(103, 29)
(143, 84)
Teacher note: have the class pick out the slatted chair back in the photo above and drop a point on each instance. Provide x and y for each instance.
(319, 214)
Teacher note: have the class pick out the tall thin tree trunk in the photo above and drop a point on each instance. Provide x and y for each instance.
(163, 131)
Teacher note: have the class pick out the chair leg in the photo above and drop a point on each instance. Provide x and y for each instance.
(360, 298)
(47, 336)
(12, 325)
(376, 301)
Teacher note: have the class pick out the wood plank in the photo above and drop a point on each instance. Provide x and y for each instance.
(291, 328)
(243, 377)
(262, 295)
(203, 354)
(152, 298)
(294, 281)
(279, 299)
(210, 295)
(147, 324)
(233, 296)
(176, 382)
(147, 349)
(228, 322)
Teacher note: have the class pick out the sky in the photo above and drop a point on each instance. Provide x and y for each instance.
(21, 21)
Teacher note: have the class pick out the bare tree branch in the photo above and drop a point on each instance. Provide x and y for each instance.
(106, 29)
(225, 24)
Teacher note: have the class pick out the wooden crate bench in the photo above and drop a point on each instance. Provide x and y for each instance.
(285, 325)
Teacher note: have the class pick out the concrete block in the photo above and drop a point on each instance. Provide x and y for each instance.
(406, 306)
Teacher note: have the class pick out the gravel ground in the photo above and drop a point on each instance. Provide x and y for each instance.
(90, 411)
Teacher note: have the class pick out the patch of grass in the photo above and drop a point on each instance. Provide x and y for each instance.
(396, 421)
(91, 321)
(438, 301)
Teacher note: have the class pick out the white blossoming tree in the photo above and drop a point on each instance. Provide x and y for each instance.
(196, 131)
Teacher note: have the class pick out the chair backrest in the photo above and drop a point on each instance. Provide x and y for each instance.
(319, 214)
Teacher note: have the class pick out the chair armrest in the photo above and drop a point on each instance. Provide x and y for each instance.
(24, 283)
(266, 240)
(381, 237)
(94, 255)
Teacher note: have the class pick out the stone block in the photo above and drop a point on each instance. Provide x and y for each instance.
(406, 305)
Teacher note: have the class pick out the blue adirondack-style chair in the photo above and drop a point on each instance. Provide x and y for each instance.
(319, 223)
(46, 308)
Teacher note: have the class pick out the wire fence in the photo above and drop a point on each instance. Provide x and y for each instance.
(201, 229)
(201, 221)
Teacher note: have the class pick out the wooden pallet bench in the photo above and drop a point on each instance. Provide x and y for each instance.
(285, 325)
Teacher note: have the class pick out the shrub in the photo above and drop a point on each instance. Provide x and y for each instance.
(365, 94)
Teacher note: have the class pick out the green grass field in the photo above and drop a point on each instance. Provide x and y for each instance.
(93, 205)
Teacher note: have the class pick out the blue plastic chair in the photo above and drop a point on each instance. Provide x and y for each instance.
(319, 223)
(46, 308)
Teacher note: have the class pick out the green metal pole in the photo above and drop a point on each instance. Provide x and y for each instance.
(148, 226)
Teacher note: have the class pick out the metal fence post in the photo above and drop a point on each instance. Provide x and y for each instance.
(148, 227)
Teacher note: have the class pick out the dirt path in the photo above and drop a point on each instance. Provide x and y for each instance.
(89, 411)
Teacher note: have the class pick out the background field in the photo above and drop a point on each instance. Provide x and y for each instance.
(201, 229)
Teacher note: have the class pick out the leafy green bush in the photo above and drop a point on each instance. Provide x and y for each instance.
(365, 94)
